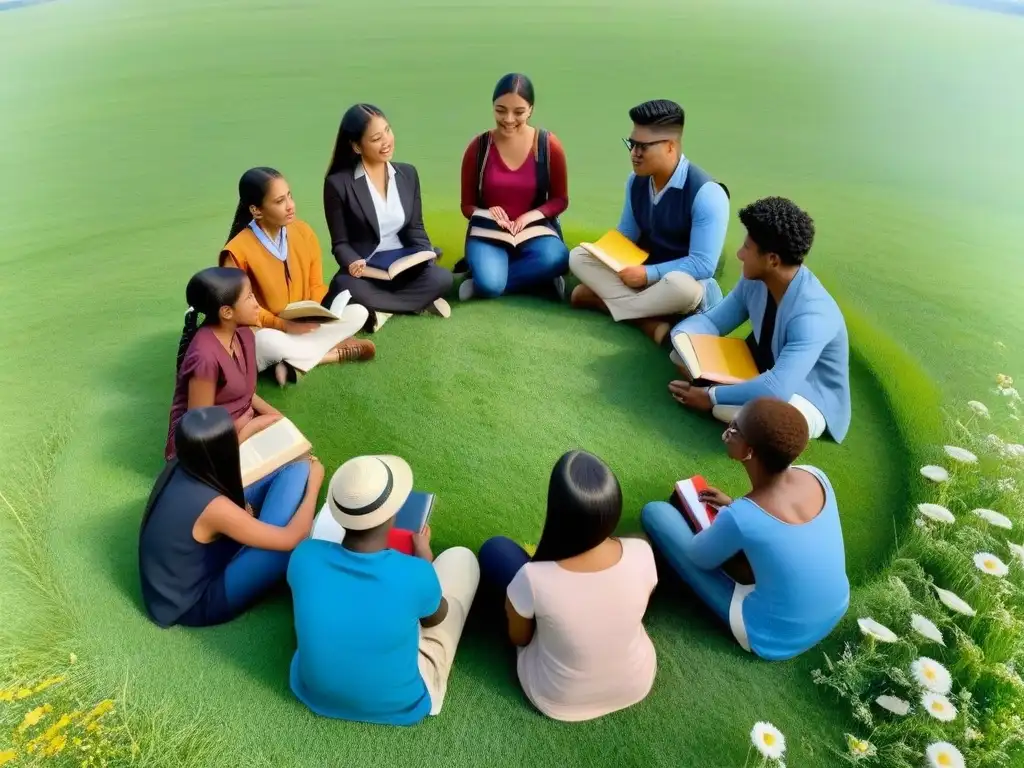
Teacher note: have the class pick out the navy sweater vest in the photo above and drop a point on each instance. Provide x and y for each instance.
(665, 227)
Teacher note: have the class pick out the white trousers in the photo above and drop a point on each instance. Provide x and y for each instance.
(677, 293)
(815, 421)
(459, 573)
(304, 351)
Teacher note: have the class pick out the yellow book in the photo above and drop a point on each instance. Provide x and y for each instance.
(616, 251)
(715, 359)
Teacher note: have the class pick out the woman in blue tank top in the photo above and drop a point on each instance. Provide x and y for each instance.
(209, 548)
(788, 528)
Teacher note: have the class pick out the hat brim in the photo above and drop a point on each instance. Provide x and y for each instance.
(401, 487)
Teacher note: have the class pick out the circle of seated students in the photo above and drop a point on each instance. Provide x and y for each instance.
(234, 510)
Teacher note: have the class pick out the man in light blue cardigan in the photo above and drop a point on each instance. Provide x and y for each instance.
(799, 338)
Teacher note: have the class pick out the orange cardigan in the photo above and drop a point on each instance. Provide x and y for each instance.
(274, 286)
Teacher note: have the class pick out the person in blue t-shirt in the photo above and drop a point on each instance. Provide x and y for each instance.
(674, 211)
(377, 629)
(788, 528)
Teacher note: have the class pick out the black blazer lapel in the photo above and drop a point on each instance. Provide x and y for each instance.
(361, 189)
(406, 190)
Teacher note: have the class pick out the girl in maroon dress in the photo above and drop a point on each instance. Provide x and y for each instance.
(217, 358)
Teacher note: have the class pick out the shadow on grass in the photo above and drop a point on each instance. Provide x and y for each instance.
(142, 379)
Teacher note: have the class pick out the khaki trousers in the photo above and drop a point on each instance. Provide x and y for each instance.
(675, 294)
(459, 574)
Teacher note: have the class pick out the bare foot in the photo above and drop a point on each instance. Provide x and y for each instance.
(281, 374)
(583, 297)
(655, 328)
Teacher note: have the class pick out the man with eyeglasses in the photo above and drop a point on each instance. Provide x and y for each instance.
(675, 212)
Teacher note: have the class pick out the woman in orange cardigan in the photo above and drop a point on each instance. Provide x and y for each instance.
(281, 256)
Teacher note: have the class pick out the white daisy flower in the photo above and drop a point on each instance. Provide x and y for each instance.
(988, 563)
(1017, 550)
(955, 603)
(860, 748)
(769, 740)
(979, 408)
(893, 704)
(926, 628)
(942, 754)
(931, 675)
(935, 474)
(938, 706)
(992, 517)
(960, 454)
(879, 632)
(936, 512)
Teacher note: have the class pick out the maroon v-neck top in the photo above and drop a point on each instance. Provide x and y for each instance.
(206, 358)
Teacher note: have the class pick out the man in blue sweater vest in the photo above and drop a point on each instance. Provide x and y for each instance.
(674, 211)
(799, 339)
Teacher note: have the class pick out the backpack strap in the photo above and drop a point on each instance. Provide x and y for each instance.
(483, 146)
(542, 153)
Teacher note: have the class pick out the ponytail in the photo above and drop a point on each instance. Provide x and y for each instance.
(188, 332)
(208, 291)
(354, 123)
(252, 189)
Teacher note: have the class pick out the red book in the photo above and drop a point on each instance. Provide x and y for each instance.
(698, 515)
(401, 540)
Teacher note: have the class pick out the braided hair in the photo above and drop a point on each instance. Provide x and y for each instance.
(252, 189)
(208, 291)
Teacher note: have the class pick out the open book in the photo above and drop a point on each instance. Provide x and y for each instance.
(312, 310)
(699, 516)
(616, 251)
(410, 519)
(713, 360)
(271, 449)
(483, 225)
(390, 264)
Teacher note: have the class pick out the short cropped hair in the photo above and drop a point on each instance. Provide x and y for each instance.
(777, 225)
(659, 113)
(776, 432)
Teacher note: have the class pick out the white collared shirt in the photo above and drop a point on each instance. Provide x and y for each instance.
(390, 214)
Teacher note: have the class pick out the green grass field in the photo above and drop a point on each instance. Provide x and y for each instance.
(125, 127)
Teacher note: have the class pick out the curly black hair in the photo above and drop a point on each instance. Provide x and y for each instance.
(659, 113)
(776, 431)
(779, 226)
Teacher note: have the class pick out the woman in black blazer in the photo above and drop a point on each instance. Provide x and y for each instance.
(373, 208)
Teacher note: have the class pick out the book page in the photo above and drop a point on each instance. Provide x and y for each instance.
(688, 493)
(325, 527)
(274, 447)
(299, 310)
(598, 253)
(684, 348)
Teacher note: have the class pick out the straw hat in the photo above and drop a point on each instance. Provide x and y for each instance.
(367, 491)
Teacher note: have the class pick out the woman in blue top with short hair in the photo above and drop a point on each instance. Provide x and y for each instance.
(788, 528)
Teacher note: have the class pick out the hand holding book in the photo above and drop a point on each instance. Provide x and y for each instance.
(714, 497)
(687, 394)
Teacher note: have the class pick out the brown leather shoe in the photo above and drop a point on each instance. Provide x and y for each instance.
(583, 297)
(353, 350)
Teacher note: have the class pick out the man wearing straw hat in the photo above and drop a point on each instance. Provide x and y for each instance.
(377, 629)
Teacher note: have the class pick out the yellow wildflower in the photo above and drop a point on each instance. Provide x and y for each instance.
(33, 716)
(105, 706)
(7, 695)
(23, 693)
(56, 746)
(47, 683)
(7, 756)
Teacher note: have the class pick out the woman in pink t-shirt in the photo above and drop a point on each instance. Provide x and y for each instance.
(575, 611)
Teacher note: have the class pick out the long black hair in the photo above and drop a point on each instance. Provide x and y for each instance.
(584, 507)
(208, 291)
(353, 126)
(515, 83)
(206, 447)
(252, 189)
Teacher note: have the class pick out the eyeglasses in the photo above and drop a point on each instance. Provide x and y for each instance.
(732, 431)
(641, 146)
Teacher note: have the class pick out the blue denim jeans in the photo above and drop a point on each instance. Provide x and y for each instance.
(498, 269)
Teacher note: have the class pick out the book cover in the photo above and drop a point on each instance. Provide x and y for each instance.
(390, 264)
(415, 513)
(699, 516)
(616, 251)
(715, 359)
(270, 449)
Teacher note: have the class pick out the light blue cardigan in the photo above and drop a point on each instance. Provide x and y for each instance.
(811, 346)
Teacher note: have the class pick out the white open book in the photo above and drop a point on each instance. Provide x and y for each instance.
(326, 527)
(312, 310)
(271, 449)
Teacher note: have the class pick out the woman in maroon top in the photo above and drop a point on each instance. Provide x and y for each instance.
(518, 173)
(217, 360)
